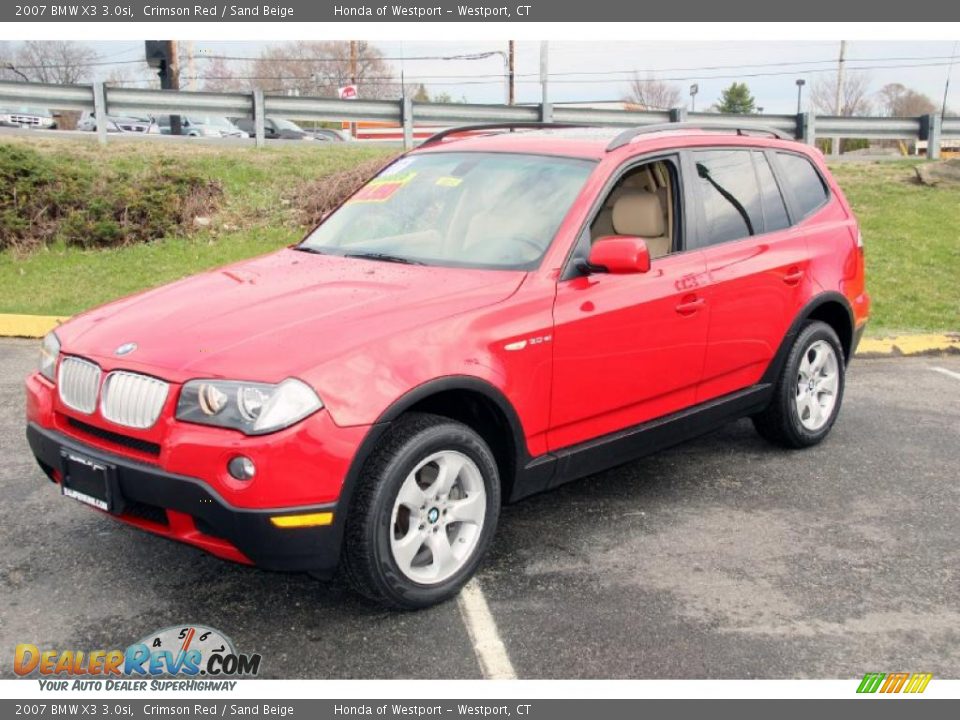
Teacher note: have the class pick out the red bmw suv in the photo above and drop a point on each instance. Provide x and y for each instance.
(505, 309)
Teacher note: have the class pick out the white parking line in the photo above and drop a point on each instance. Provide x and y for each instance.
(487, 645)
(948, 373)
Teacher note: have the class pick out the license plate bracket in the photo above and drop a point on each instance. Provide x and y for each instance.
(89, 480)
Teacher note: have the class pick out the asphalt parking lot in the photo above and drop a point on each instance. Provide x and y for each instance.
(721, 558)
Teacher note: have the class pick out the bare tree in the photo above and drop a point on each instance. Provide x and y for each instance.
(131, 75)
(220, 76)
(652, 94)
(7, 63)
(854, 100)
(320, 68)
(55, 61)
(897, 100)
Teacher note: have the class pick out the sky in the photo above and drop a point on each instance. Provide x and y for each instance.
(600, 71)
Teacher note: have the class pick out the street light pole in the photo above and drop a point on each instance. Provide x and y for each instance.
(694, 89)
(800, 83)
(512, 95)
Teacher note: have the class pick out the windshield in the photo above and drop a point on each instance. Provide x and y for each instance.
(212, 121)
(286, 125)
(24, 110)
(488, 210)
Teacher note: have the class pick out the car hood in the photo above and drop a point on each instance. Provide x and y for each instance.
(276, 316)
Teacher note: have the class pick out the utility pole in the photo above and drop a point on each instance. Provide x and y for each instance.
(353, 80)
(544, 73)
(946, 85)
(511, 95)
(162, 55)
(835, 145)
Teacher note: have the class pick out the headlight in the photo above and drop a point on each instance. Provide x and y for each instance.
(49, 352)
(251, 408)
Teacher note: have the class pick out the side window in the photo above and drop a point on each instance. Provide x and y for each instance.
(729, 193)
(643, 203)
(774, 210)
(804, 181)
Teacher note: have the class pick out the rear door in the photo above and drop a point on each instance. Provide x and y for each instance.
(756, 262)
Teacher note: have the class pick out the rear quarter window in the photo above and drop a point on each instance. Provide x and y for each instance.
(802, 178)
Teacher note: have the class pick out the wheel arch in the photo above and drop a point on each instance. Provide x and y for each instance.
(830, 307)
(469, 400)
(477, 404)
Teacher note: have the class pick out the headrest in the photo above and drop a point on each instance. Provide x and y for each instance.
(638, 213)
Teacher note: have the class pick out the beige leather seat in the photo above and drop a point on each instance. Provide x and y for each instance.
(641, 214)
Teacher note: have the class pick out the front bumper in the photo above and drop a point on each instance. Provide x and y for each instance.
(186, 509)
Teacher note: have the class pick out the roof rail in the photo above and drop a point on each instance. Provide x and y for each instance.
(627, 135)
(443, 134)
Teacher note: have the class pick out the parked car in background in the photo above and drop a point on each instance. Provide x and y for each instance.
(328, 135)
(275, 129)
(120, 124)
(27, 117)
(202, 126)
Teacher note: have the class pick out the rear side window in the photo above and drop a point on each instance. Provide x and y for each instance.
(805, 183)
(729, 193)
(774, 210)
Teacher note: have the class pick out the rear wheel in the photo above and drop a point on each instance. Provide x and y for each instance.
(424, 514)
(809, 391)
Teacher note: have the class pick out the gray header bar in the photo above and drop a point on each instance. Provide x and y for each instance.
(464, 11)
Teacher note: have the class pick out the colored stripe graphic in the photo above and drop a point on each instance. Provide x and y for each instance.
(918, 682)
(894, 682)
(871, 682)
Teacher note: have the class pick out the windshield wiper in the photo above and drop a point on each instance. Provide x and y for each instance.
(308, 249)
(385, 257)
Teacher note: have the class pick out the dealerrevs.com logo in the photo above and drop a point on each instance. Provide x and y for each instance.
(187, 657)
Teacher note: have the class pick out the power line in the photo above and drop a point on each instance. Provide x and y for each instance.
(474, 81)
(770, 74)
(585, 73)
(734, 67)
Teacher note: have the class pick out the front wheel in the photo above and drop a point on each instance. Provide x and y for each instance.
(424, 513)
(808, 393)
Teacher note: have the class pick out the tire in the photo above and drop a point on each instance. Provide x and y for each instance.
(400, 513)
(805, 404)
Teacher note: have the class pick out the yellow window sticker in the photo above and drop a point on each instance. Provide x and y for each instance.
(447, 181)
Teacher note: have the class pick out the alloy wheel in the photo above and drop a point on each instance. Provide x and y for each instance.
(818, 381)
(437, 517)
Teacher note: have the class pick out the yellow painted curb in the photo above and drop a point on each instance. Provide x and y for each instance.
(894, 345)
(28, 326)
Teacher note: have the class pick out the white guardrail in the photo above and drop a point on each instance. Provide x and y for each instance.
(103, 101)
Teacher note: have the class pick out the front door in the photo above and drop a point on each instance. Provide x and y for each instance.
(627, 348)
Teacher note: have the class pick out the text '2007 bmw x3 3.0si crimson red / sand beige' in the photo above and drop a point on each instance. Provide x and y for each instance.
(494, 314)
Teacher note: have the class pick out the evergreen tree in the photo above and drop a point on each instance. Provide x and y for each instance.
(737, 100)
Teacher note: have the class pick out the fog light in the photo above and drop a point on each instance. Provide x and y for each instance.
(241, 468)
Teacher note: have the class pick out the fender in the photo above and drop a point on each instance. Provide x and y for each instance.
(776, 364)
(383, 423)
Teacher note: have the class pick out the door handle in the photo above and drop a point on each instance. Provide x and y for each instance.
(690, 304)
(793, 276)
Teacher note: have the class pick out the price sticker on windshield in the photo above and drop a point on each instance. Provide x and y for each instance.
(381, 190)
